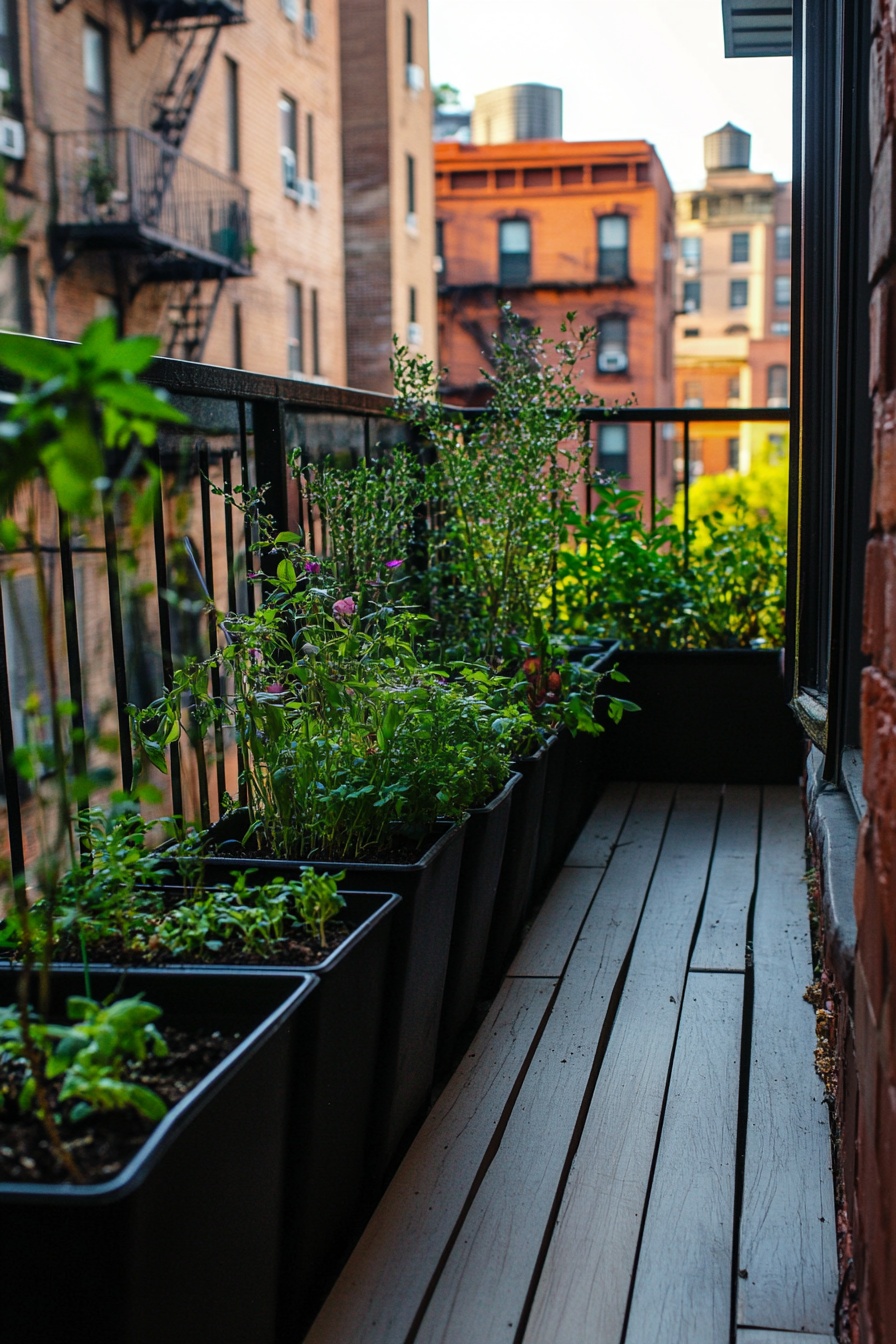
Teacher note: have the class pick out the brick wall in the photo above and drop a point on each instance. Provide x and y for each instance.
(871, 1170)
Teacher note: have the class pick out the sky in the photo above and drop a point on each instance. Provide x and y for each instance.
(629, 70)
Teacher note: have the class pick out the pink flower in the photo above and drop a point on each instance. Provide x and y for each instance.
(312, 567)
(393, 564)
(275, 688)
(343, 609)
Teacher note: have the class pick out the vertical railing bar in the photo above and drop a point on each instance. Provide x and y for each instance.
(119, 659)
(247, 521)
(322, 467)
(652, 473)
(73, 657)
(208, 560)
(227, 483)
(687, 491)
(8, 746)
(161, 565)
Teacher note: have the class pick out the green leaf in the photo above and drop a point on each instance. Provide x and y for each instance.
(10, 535)
(284, 538)
(33, 358)
(287, 575)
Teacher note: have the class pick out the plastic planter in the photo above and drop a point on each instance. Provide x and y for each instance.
(486, 833)
(418, 962)
(515, 884)
(182, 1244)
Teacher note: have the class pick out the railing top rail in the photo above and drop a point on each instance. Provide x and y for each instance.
(137, 132)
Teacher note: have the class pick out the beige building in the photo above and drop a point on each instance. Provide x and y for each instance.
(732, 329)
(180, 165)
(388, 179)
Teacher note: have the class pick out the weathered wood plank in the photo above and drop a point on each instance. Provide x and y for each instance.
(597, 837)
(583, 1289)
(683, 1279)
(722, 941)
(781, 1337)
(787, 1239)
(484, 1285)
(387, 1277)
(555, 929)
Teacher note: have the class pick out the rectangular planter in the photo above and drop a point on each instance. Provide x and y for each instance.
(486, 833)
(515, 884)
(182, 1244)
(707, 715)
(418, 963)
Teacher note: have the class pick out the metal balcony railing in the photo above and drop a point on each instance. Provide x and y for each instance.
(126, 187)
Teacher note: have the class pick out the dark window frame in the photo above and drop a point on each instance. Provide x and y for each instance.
(513, 272)
(613, 260)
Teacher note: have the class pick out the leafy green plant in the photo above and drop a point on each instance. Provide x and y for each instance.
(89, 1057)
(318, 900)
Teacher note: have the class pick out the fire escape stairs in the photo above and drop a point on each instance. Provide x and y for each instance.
(190, 314)
(172, 107)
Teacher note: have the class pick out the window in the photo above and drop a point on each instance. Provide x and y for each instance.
(95, 51)
(691, 296)
(309, 22)
(692, 252)
(612, 247)
(515, 249)
(15, 308)
(309, 146)
(692, 331)
(415, 331)
(693, 394)
(782, 291)
(411, 171)
(734, 454)
(408, 39)
(315, 334)
(740, 247)
(295, 338)
(734, 388)
(440, 247)
(289, 145)
(782, 242)
(738, 293)
(612, 449)
(612, 344)
(232, 102)
(9, 56)
(777, 385)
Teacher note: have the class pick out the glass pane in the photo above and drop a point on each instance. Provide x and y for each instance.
(94, 61)
(515, 235)
(613, 231)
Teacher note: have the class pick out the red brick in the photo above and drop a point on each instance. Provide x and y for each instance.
(866, 1057)
(880, 93)
(882, 312)
(881, 240)
(883, 489)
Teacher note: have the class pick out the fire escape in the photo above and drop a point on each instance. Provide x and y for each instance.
(135, 195)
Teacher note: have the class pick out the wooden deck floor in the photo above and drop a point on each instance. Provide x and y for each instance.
(635, 1147)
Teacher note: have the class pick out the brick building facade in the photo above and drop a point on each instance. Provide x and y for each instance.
(181, 166)
(554, 227)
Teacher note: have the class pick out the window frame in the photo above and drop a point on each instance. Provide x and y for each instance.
(613, 260)
(739, 285)
(779, 282)
(232, 112)
(692, 285)
(295, 330)
(613, 337)
(288, 107)
(740, 237)
(609, 431)
(512, 274)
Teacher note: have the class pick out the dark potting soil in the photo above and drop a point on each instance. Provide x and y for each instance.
(398, 851)
(103, 1144)
(296, 949)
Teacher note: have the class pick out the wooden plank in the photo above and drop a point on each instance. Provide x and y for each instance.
(381, 1288)
(583, 1289)
(597, 837)
(722, 941)
(683, 1280)
(781, 1337)
(555, 929)
(787, 1238)
(484, 1285)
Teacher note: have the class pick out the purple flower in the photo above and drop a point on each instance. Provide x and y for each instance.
(393, 564)
(343, 609)
(312, 567)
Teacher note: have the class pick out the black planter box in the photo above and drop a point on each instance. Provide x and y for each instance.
(418, 962)
(707, 715)
(546, 861)
(182, 1245)
(486, 833)
(515, 885)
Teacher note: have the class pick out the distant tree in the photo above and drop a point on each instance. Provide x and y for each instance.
(446, 95)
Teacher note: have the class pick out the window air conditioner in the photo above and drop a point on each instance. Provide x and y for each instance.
(309, 25)
(5, 80)
(612, 361)
(415, 78)
(410, 223)
(438, 265)
(290, 9)
(690, 305)
(415, 333)
(693, 403)
(311, 192)
(288, 167)
(777, 403)
(12, 138)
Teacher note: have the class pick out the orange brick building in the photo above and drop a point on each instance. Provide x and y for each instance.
(554, 227)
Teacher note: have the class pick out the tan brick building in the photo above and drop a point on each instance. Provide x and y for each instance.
(181, 165)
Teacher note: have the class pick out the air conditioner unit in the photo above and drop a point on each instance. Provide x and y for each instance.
(290, 9)
(415, 78)
(690, 305)
(438, 265)
(410, 223)
(12, 138)
(777, 403)
(693, 403)
(5, 80)
(311, 192)
(780, 328)
(309, 25)
(415, 333)
(612, 361)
